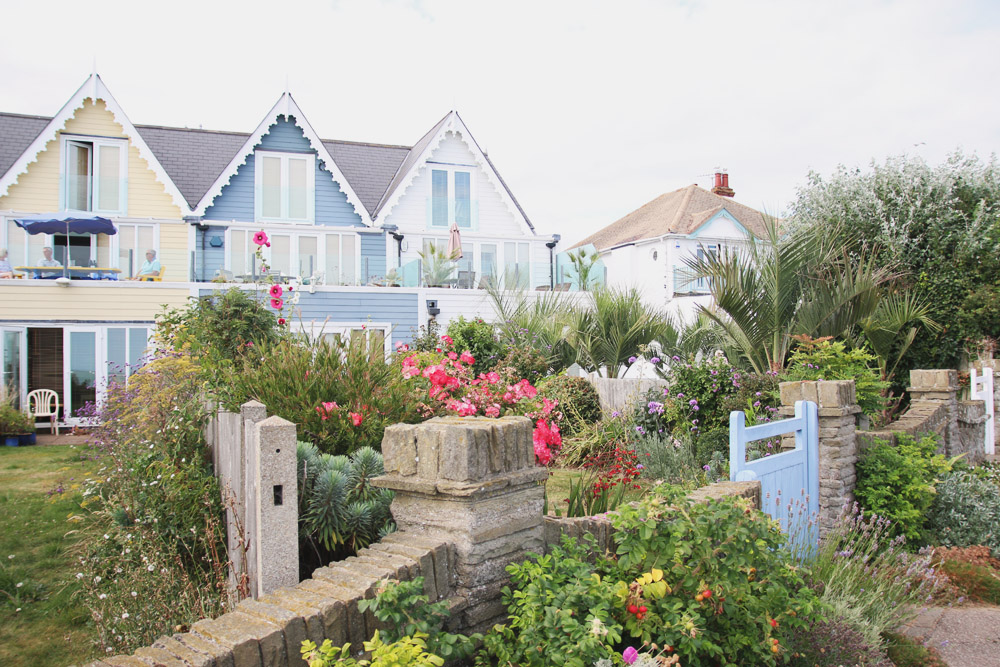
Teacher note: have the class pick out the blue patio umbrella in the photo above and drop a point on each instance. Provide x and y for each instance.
(66, 222)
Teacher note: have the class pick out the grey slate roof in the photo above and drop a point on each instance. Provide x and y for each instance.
(194, 158)
(16, 134)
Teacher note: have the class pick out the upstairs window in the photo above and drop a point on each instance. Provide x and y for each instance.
(285, 186)
(451, 198)
(93, 174)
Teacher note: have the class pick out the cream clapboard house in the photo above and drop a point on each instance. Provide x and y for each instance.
(341, 216)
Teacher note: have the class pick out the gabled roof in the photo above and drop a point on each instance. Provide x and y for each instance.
(682, 211)
(368, 167)
(422, 151)
(94, 89)
(287, 107)
(17, 131)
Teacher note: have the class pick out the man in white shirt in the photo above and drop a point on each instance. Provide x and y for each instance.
(48, 261)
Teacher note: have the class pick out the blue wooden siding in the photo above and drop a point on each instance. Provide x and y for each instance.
(214, 258)
(372, 256)
(236, 201)
(393, 305)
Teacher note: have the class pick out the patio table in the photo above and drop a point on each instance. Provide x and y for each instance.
(75, 271)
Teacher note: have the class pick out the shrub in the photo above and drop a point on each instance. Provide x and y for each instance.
(523, 362)
(577, 401)
(671, 460)
(407, 652)
(966, 512)
(339, 510)
(897, 482)
(834, 641)
(607, 478)
(13, 421)
(478, 338)
(155, 556)
(341, 394)
(594, 439)
(826, 359)
(866, 576)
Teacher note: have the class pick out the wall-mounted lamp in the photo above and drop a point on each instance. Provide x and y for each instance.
(63, 281)
(432, 308)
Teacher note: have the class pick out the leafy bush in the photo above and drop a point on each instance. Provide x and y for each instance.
(339, 510)
(523, 362)
(978, 583)
(671, 460)
(13, 421)
(866, 576)
(341, 394)
(825, 359)
(594, 439)
(156, 554)
(966, 512)
(608, 477)
(897, 482)
(711, 583)
(404, 610)
(480, 339)
(834, 641)
(407, 652)
(577, 401)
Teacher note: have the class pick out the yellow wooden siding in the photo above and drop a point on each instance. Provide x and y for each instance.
(37, 189)
(46, 301)
(174, 254)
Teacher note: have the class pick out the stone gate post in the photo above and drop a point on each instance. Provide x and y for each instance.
(472, 482)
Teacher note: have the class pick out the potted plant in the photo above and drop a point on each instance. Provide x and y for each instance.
(26, 435)
(11, 424)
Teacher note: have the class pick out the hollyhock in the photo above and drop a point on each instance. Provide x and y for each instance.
(276, 291)
(277, 304)
(260, 238)
(281, 320)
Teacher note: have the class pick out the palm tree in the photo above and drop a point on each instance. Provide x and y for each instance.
(583, 263)
(616, 327)
(784, 286)
(547, 319)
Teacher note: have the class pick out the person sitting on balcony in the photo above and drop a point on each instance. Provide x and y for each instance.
(6, 270)
(150, 268)
(48, 261)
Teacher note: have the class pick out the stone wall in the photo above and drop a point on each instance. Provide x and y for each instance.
(468, 502)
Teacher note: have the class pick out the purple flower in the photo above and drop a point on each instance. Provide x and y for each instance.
(680, 395)
(707, 467)
(654, 360)
(631, 360)
(630, 655)
(693, 401)
(675, 358)
(615, 414)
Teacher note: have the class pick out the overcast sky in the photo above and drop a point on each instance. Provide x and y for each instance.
(588, 109)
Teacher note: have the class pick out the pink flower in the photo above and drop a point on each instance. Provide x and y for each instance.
(547, 406)
(492, 377)
(277, 304)
(276, 291)
(249, 343)
(260, 238)
(630, 655)
(467, 358)
(493, 411)
(447, 340)
(452, 356)
(355, 418)
(325, 409)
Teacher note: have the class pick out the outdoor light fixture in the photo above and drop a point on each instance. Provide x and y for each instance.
(63, 281)
(432, 308)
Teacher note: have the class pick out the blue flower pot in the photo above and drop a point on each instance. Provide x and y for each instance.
(11, 440)
(26, 439)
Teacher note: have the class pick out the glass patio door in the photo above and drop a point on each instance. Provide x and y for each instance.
(82, 357)
(13, 357)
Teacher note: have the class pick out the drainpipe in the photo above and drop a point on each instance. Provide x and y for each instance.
(203, 228)
(552, 260)
(394, 232)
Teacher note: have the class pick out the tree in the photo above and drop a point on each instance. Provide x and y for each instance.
(617, 326)
(797, 284)
(938, 225)
(583, 263)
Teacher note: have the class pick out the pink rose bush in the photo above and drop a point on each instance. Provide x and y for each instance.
(451, 388)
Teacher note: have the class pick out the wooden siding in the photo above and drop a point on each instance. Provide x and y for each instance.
(214, 258)
(44, 301)
(493, 216)
(37, 190)
(372, 256)
(174, 254)
(236, 201)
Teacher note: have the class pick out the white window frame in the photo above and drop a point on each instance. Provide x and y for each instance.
(314, 331)
(116, 245)
(452, 170)
(310, 159)
(320, 233)
(96, 143)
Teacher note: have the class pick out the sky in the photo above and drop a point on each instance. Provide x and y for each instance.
(588, 109)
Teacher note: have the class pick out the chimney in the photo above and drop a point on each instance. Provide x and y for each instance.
(722, 184)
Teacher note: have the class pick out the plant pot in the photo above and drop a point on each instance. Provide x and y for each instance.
(26, 439)
(11, 440)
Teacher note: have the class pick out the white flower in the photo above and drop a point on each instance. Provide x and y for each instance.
(102, 596)
(97, 580)
(10, 556)
(125, 615)
(19, 584)
(597, 628)
(106, 536)
(150, 567)
(79, 575)
(134, 594)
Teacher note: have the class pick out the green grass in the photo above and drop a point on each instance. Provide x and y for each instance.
(42, 621)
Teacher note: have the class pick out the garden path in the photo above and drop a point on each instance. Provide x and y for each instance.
(964, 636)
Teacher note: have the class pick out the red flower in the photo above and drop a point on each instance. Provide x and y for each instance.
(260, 238)
(467, 358)
(447, 339)
(281, 321)
(325, 409)
(355, 418)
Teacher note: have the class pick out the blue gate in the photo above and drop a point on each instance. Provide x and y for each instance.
(789, 481)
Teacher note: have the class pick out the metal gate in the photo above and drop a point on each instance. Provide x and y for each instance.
(789, 481)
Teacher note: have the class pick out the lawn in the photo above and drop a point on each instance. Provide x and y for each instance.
(42, 621)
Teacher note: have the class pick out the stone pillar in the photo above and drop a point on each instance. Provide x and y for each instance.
(838, 448)
(274, 512)
(939, 387)
(245, 462)
(472, 482)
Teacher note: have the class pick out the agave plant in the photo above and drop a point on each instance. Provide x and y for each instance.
(338, 506)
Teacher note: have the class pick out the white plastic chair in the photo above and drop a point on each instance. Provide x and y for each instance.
(45, 403)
